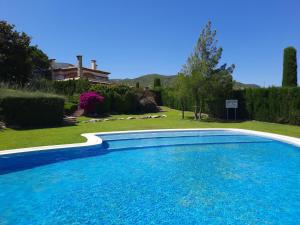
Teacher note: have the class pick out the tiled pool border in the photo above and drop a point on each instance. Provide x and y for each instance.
(94, 139)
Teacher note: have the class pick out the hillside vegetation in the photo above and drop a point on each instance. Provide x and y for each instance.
(166, 81)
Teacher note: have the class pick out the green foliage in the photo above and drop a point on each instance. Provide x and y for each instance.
(167, 81)
(208, 84)
(31, 109)
(41, 84)
(15, 65)
(219, 89)
(156, 83)
(137, 85)
(147, 80)
(289, 77)
(19, 62)
(70, 108)
(71, 87)
(148, 105)
(40, 63)
(120, 99)
(171, 99)
(126, 103)
(279, 105)
(157, 96)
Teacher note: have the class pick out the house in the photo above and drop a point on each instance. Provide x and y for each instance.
(67, 71)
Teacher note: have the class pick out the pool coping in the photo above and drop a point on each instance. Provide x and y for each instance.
(94, 139)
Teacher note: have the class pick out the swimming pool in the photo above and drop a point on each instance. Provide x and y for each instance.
(169, 177)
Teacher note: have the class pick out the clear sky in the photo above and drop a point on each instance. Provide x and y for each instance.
(134, 37)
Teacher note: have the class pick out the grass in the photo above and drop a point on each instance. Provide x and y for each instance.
(10, 139)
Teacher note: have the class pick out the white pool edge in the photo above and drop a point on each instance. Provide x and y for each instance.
(94, 139)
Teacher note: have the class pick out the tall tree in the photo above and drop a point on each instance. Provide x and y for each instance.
(289, 77)
(40, 63)
(157, 83)
(201, 66)
(137, 85)
(15, 62)
(18, 60)
(182, 91)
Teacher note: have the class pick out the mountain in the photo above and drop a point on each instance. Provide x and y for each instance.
(147, 80)
(239, 85)
(166, 81)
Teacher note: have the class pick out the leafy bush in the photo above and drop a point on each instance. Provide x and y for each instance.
(122, 99)
(27, 109)
(148, 105)
(89, 101)
(279, 105)
(70, 108)
(71, 87)
(169, 97)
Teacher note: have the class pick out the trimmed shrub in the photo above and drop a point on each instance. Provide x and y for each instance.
(90, 101)
(289, 78)
(32, 109)
(156, 83)
(148, 105)
(278, 105)
(157, 96)
(71, 87)
(122, 99)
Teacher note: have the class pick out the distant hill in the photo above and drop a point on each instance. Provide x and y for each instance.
(147, 80)
(167, 81)
(239, 85)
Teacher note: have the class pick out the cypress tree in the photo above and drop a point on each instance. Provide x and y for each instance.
(289, 77)
(157, 83)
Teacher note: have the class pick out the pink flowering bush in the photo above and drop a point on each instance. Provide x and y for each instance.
(90, 101)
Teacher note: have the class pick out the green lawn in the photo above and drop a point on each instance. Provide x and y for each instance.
(10, 138)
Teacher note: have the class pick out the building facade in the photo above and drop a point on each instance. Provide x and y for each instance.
(67, 71)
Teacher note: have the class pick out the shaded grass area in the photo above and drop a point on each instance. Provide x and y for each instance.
(10, 139)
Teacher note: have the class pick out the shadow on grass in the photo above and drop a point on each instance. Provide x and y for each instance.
(215, 120)
(20, 128)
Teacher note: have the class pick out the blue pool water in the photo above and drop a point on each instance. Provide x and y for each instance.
(190, 177)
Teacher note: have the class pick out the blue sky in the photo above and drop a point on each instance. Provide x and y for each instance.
(135, 37)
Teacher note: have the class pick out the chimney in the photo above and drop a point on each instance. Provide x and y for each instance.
(93, 64)
(79, 65)
(52, 62)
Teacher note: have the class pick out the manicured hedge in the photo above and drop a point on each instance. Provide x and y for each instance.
(123, 99)
(275, 104)
(71, 87)
(278, 105)
(32, 109)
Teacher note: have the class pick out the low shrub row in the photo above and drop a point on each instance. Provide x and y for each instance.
(67, 88)
(27, 109)
(123, 99)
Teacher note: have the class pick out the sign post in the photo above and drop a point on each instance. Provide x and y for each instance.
(231, 104)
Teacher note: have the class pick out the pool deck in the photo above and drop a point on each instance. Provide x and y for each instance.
(94, 139)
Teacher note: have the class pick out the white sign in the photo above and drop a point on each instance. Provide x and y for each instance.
(231, 104)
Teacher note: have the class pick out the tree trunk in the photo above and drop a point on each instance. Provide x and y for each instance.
(182, 110)
(200, 111)
(196, 113)
(196, 108)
